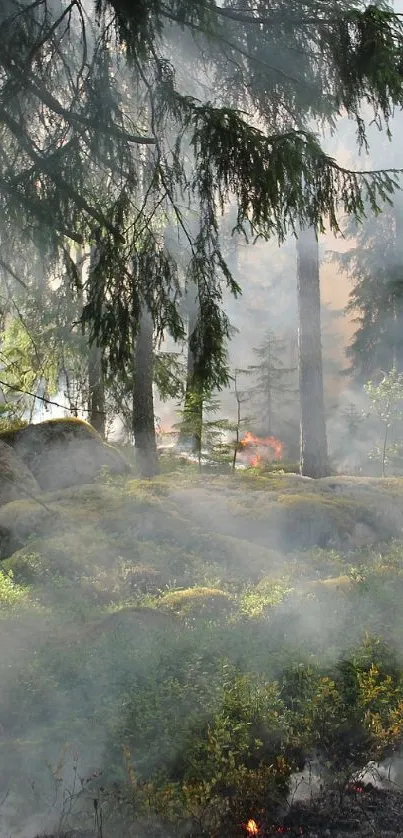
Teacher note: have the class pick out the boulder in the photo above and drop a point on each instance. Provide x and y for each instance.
(16, 480)
(64, 452)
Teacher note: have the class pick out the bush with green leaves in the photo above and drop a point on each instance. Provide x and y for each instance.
(386, 399)
(11, 593)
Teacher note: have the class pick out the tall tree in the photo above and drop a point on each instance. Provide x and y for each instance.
(96, 376)
(273, 379)
(96, 390)
(314, 455)
(190, 432)
(143, 400)
(41, 351)
(374, 264)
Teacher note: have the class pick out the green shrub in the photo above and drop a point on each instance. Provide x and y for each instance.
(11, 593)
(267, 593)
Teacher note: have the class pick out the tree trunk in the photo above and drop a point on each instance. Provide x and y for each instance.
(143, 401)
(396, 330)
(96, 384)
(385, 442)
(238, 425)
(269, 393)
(96, 390)
(190, 434)
(313, 453)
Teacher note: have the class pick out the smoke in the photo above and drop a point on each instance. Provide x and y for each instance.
(107, 651)
(98, 654)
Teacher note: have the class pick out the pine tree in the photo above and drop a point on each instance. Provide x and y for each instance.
(96, 378)
(43, 350)
(375, 266)
(191, 429)
(275, 382)
(143, 401)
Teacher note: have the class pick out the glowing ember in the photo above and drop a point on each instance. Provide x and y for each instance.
(252, 827)
(355, 788)
(259, 449)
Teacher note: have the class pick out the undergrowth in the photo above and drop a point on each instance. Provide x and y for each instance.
(183, 652)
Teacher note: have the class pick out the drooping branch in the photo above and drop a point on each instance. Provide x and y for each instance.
(43, 165)
(33, 85)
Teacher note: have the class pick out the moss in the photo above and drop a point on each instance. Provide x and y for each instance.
(198, 602)
(17, 481)
(119, 543)
(68, 424)
(239, 558)
(64, 452)
(26, 567)
(311, 506)
(19, 521)
(133, 618)
(52, 429)
(334, 583)
(12, 424)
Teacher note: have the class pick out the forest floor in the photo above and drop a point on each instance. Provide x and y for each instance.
(127, 606)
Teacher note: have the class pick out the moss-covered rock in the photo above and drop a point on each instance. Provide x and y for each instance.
(21, 519)
(209, 603)
(55, 429)
(16, 479)
(64, 452)
(133, 619)
(289, 513)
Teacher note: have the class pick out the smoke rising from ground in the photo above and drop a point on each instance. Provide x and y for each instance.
(104, 648)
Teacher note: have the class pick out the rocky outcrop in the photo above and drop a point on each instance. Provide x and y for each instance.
(16, 480)
(64, 452)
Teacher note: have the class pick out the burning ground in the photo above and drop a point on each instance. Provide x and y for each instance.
(255, 451)
(176, 652)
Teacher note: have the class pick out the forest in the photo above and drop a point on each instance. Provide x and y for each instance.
(201, 418)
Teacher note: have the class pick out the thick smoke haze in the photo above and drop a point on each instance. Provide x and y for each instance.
(97, 637)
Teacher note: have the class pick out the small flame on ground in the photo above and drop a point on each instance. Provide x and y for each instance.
(252, 827)
(355, 788)
(263, 448)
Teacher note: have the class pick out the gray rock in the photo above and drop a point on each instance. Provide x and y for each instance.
(16, 480)
(64, 452)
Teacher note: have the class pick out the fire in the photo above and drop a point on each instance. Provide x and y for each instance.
(252, 827)
(355, 788)
(260, 449)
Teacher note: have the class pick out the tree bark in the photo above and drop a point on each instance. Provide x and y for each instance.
(143, 400)
(314, 460)
(269, 391)
(96, 390)
(397, 317)
(190, 434)
(96, 383)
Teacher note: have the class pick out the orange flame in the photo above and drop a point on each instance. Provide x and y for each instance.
(252, 827)
(263, 448)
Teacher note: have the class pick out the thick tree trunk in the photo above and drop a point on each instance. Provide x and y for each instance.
(269, 392)
(396, 359)
(314, 455)
(190, 434)
(143, 401)
(96, 383)
(96, 390)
